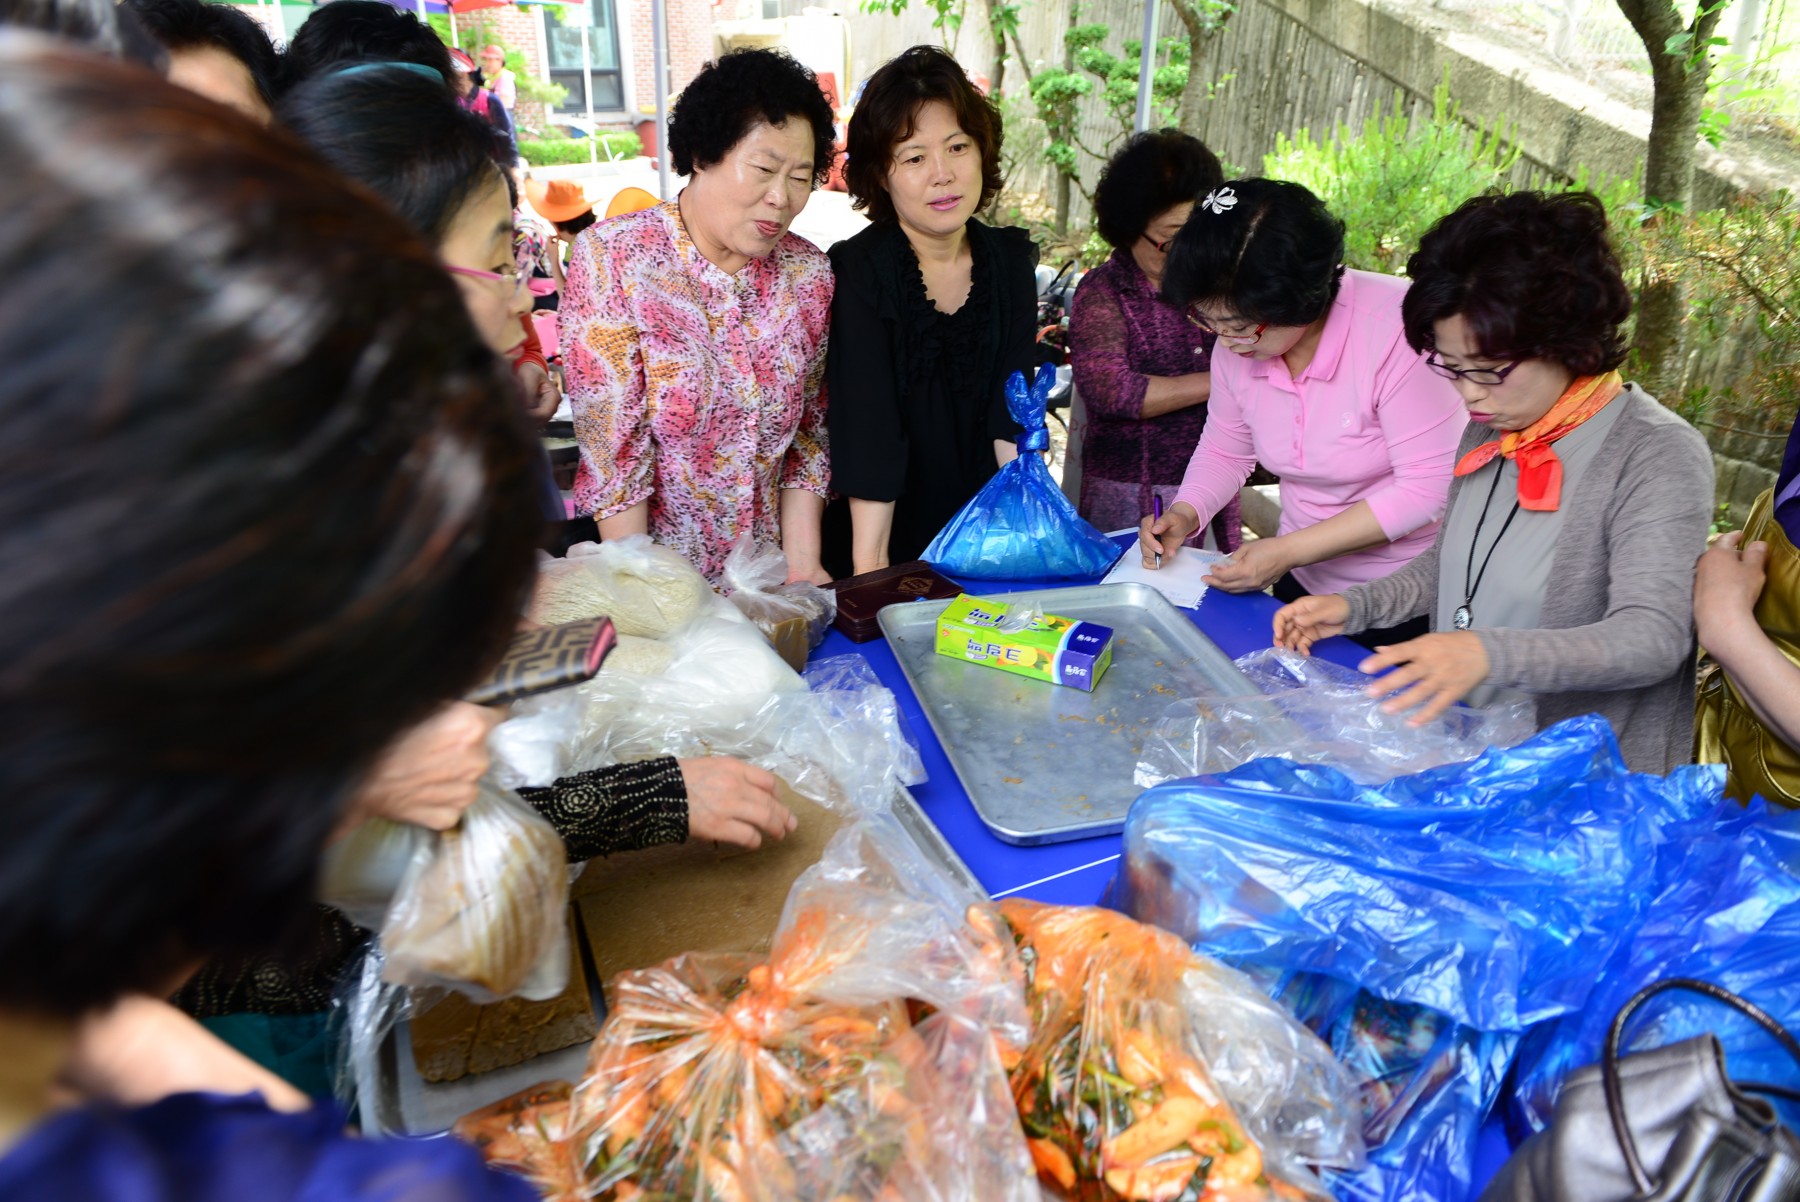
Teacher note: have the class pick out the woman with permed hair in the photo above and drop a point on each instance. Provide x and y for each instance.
(933, 311)
(1563, 574)
(1319, 386)
(693, 333)
(1143, 370)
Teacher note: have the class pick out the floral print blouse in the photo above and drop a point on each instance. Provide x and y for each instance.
(695, 391)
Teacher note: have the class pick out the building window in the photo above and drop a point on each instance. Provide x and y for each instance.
(562, 30)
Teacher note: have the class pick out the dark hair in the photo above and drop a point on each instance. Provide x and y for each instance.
(1533, 273)
(346, 32)
(197, 24)
(1273, 251)
(401, 136)
(90, 22)
(716, 110)
(577, 223)
(263, 507)
(888, 112)
(1152, 173)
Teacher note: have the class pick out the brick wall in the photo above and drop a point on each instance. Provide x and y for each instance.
(690, 44)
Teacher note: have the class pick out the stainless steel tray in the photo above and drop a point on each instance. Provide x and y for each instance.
(1043, 763)
(400, 1102)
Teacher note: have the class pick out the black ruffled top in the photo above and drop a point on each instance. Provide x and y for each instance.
(916, 395)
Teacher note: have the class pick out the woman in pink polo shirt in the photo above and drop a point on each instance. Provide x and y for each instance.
(1312, 376)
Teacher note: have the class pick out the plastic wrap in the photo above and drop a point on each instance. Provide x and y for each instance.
(721, 1077)
(1312, 711)
(525, 1134)
(481, 908)
(794, 617)
(1114, 1092)
(1727, 910)
(1420, 925)
(1020, 526)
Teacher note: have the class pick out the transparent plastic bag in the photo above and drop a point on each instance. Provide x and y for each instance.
(722, 1076)
(648, 591)
(481, 908)
(526, 1134)
(793, 617)
(362, 871)
(1312, 711)
(1020, 526)
(1114, 1092)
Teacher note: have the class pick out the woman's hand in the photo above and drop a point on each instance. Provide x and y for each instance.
(807, 573)
(1727, 582)
(542, 396)
(142, 1049)
(429, 777)
(1430, 674)
(1255, 565)
(1299, 625)
(1165, 535)
(730, 801)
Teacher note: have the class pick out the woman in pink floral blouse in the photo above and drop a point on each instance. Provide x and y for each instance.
(693, 334)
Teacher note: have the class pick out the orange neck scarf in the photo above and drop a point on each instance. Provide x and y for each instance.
(1540, 470)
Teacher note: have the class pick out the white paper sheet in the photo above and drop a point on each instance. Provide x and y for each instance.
(1179, 578)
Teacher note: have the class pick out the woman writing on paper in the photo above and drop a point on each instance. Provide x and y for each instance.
(1312, 377)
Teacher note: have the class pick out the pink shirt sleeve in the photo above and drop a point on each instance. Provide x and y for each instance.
(1227, 452)
(1421, 432)
(807, 464)
(603, 372)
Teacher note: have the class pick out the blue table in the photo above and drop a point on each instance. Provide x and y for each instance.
(1076, 872)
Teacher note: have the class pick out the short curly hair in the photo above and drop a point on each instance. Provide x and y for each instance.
(733, 93)
(1274, 252)
(888, 111)
(1534, 274)
(1151, 174)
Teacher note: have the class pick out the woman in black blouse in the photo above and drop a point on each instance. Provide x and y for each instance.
(933, 311)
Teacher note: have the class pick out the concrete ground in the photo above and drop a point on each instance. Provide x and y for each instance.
(827, 217)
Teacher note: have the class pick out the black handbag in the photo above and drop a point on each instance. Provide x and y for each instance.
(1665, 1125)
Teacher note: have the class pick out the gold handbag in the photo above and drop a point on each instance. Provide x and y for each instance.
(1726, 729)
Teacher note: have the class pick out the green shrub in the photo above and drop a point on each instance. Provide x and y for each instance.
(1393, 179)
(558, 152)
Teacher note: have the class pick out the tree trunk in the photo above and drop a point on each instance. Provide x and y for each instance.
(999, 36)
(1678, 80)
(1194, 91)
(1202, 29)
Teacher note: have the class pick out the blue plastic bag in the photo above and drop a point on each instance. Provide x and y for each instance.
(1020, 526)
(1726, 910)
(1487, 890)
(1420, 926)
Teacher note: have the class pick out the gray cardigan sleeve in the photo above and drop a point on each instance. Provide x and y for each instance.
(1398, 598)
(1653, 529)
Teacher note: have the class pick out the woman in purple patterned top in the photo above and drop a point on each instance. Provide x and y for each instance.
(1142, 368)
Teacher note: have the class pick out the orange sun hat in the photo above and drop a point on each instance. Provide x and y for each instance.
(557, 199)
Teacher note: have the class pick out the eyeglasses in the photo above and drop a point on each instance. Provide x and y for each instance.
(518, 280)
(1162, 247)
(1240, 335)
(1474, 375)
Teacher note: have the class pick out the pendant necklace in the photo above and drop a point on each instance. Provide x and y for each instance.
(1464, 617)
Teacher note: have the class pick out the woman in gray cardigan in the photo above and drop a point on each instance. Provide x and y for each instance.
(1563, 573)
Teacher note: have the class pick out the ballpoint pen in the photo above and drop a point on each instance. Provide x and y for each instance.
(1156, 516)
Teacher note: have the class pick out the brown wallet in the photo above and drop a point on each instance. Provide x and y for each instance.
(861, 598)
(546, 658)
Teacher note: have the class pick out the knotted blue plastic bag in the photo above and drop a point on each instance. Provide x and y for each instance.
(1419, 926)
(1020, 526)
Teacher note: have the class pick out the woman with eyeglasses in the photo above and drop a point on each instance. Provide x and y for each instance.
(1312, 377)
(1563, 575)
(1143, 370)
